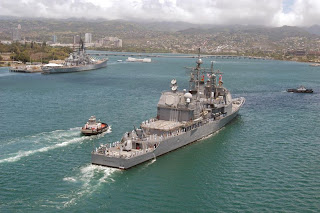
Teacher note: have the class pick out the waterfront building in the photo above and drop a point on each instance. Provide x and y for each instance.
(76, 39)
(300, 52)
(118, 43)
(110, 42)
(16, 33)
(88, 38)
(54, 39)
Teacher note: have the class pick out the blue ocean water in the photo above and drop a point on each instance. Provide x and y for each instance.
(266, 160)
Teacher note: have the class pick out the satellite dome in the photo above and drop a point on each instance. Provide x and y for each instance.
(170, 100)
(188, 95)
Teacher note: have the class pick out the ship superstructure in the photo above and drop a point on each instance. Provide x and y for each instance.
(182, 117)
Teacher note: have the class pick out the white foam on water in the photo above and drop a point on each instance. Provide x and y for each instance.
(5, 74)
(75, 128)
(46, 140)
(91, 176)
(69, 179)
(45, 136)
(113, 63)
(17, 156)
(151, 162)
(148, 163)
(210, 135)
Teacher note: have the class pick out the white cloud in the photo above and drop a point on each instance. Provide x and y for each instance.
(260, 12)
(303, 12)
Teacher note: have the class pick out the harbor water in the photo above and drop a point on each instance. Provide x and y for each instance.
(266, 160)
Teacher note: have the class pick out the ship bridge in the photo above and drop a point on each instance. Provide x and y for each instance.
(176, 106)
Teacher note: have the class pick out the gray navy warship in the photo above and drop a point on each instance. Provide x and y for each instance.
(76, 62)
(182, 118)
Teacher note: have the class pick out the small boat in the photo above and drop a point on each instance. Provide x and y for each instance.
(92, 127)
(301, 89)
(144, 60)
(119, 60)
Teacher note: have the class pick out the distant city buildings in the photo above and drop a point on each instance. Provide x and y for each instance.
(300, 52)
(118, 43)
(297, 52)
(109, 42)
(88, 38)
(106, 42)
(76, 39)
(54, 39)
(16, 33)
(5, 42)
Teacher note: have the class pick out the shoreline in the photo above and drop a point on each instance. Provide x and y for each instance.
(203, 54)
(185, 55)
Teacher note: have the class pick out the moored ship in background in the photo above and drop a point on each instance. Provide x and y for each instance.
(182, 118)
(300, 89)
(76, 62)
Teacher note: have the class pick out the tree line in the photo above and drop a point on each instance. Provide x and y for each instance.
(34, 52)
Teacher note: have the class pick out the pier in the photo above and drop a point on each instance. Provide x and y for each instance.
(26, 69)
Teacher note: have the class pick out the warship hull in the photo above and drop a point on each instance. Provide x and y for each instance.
(166, 145)
(65, 69)
(300, 91)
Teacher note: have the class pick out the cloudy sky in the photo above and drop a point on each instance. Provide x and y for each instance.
(261, 12)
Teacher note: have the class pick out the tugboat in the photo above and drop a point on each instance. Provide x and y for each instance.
(182, 118)
(92, 127)
(300, 89)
